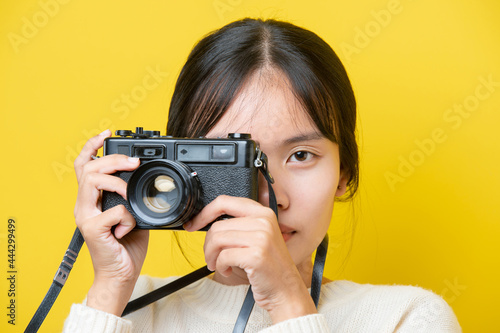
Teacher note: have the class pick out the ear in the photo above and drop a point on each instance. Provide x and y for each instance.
(342, 185)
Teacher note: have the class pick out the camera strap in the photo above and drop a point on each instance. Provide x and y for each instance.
(77, 241)
(58, 282)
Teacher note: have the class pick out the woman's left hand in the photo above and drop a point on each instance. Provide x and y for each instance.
(251, 243)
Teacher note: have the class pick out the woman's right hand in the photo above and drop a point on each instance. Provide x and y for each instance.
(117, 256)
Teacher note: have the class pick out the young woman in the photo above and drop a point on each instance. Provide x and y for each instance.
(286, 87)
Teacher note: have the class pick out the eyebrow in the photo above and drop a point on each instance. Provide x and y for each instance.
(303, 137)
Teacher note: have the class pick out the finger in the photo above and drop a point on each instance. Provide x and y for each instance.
(118, 215)
(227, 205)
(89, 192)
(235, 257)
(111, 163)
(232, 239)
(90, 148)
(247, 223)
(124, 227)
(238, 232)
(100, 225)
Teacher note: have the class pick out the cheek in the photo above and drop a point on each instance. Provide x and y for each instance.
(315, 197)
(312, 211)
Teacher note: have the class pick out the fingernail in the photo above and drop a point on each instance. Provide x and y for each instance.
(187, 225)
(133, 160)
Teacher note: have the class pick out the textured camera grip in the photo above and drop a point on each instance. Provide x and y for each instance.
(233, 181)
(111, 199)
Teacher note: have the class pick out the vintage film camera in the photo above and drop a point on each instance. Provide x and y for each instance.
(179, 176)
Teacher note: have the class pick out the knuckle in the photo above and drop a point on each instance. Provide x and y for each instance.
(215, 228)
(222, 258)
(213, 241)
(85, 228)
(113, 158)
(221, 200)
(264, 221)
(85, 169)
(257, 255)
(88, 181)
(269, 213)
(76, 213)
(80, 165)
(77, 163)
(93, 142)
(121, 212)
(222, 197)
(264, 240)
(89, 178)
(217, 205)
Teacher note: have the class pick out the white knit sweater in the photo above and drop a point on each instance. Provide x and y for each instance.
(207, 306)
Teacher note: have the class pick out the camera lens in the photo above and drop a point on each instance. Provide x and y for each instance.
(163, 193)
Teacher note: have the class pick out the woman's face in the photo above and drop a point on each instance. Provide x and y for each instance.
(304, 164)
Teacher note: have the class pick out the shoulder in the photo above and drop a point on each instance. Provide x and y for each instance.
(347, 290)
(409, 307)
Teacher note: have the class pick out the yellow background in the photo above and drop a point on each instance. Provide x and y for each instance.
(65, 69)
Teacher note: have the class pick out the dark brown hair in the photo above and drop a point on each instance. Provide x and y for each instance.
(221, 62)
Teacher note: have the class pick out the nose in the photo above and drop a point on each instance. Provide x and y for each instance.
(281, 197)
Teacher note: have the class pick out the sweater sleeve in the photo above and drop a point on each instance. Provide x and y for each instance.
(314, 323)
(84, 319)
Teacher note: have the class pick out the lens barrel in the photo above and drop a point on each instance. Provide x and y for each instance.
(164, 193)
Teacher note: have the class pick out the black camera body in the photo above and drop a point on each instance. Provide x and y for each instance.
(179, 176)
